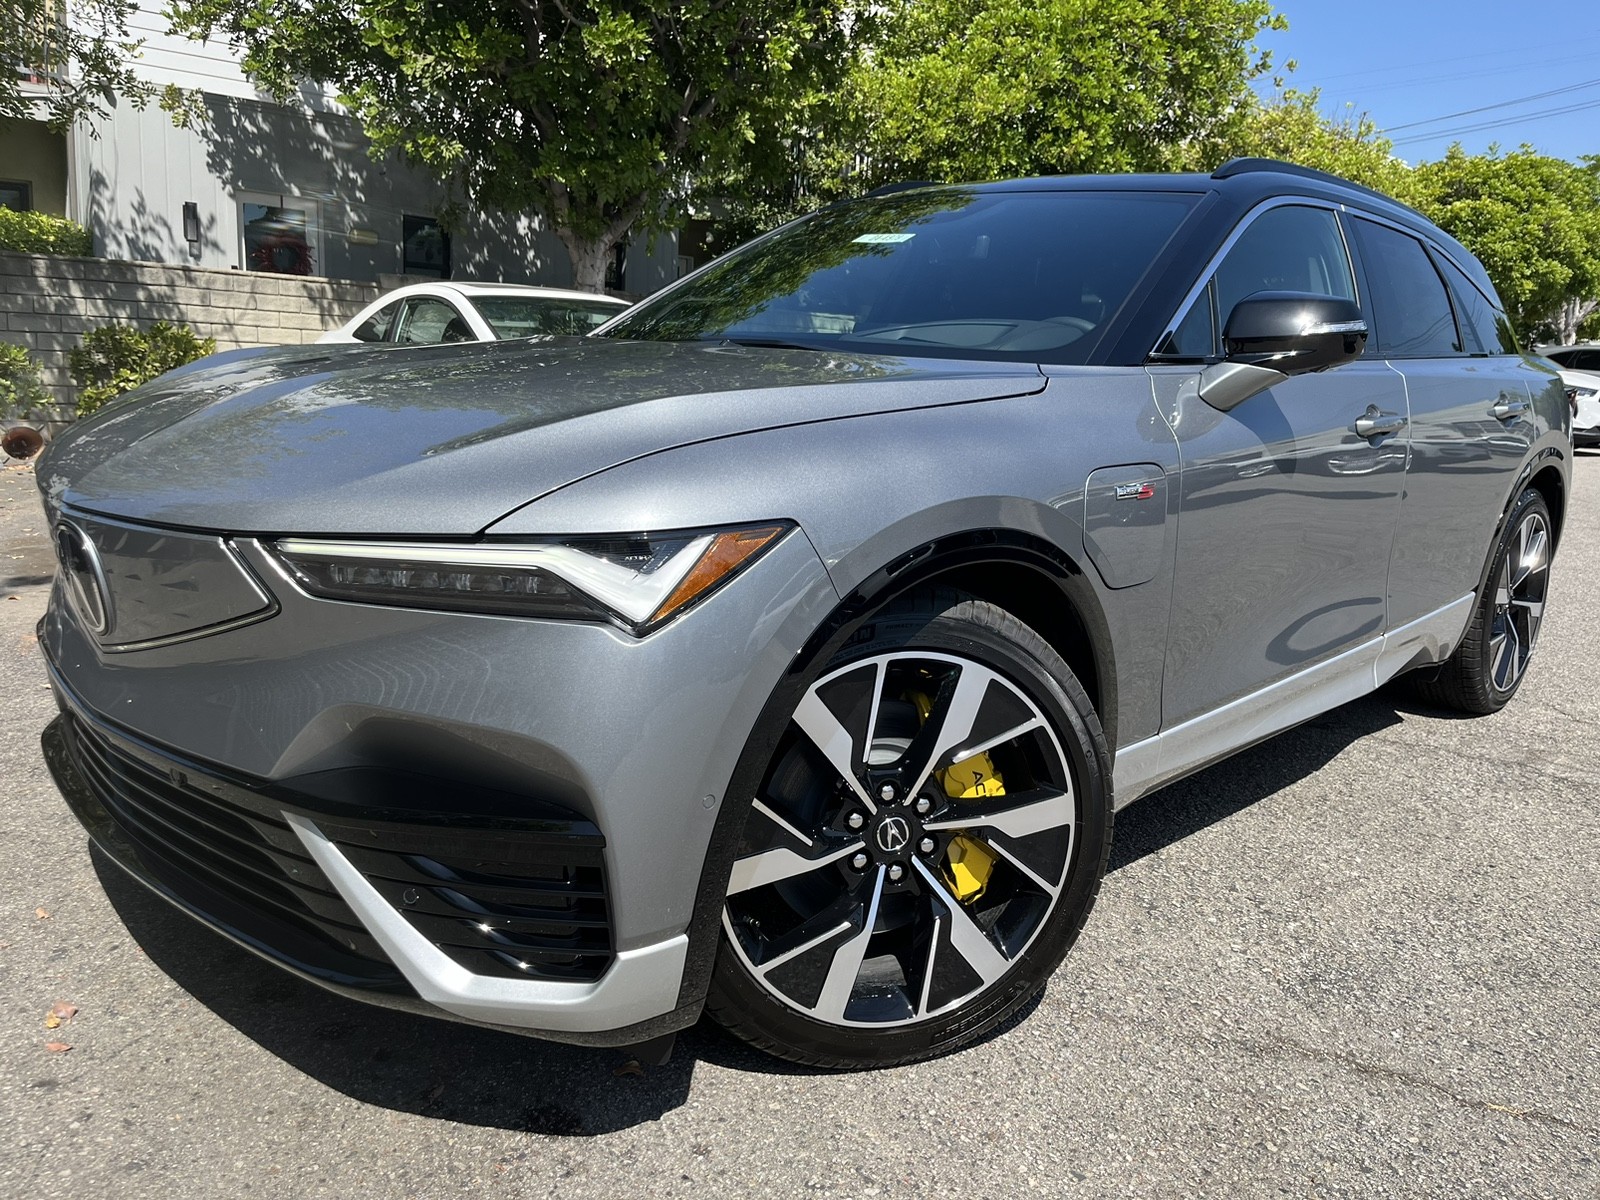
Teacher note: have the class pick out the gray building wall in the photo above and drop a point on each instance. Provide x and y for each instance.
(130, 184)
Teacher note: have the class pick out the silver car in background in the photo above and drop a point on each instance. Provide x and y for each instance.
(784, 649)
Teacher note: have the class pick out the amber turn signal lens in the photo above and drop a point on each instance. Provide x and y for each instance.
(727, 552)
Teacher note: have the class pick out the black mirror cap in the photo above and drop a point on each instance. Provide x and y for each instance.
(1294, 332)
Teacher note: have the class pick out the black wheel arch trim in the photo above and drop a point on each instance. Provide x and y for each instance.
(908, 570)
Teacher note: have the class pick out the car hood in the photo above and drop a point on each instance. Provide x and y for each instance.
(445, 440)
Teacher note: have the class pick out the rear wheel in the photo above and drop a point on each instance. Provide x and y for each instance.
(1487, 667)
(927, 841)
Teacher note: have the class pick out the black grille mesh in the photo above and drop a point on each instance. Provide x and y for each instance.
(499, 900)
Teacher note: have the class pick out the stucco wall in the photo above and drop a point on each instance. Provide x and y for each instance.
(48, 303)
(34, 154)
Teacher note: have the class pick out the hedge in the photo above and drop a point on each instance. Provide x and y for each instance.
(40, 233)
(118, 358)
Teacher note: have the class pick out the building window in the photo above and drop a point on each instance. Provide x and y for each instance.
(279, 234)
(16, 195)
(424, 247)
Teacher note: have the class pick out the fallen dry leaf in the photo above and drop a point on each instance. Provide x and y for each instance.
(60, 1013)
(42, 913)
(58, 1047)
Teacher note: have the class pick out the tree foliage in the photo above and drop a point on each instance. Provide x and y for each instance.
(1533, 221)
(968, 90)
(67, 61)
(1292, 128)
(604, 116)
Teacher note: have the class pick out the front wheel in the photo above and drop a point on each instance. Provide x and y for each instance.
(927, 841)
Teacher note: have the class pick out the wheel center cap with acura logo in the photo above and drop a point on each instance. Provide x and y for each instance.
(894, 835)
(85, 577)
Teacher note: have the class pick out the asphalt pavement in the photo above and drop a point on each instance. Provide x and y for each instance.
(1362, 959)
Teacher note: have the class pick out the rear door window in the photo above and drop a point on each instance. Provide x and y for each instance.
(1410, 311)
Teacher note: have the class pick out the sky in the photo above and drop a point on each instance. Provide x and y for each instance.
(1434, 73)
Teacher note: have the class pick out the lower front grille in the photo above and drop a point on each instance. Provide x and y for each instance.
(507, 886)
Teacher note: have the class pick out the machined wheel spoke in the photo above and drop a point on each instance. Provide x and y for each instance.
(957, 719)
(1502, 593)
(840, 982)
(1054, 811)
(819, 724)
(771, 866)
(1532, 553)
(967, 938)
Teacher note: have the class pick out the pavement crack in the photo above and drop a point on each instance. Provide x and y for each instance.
(1371, 1070)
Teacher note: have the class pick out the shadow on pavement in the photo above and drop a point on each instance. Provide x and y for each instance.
(1234, 784)
(394, 1060)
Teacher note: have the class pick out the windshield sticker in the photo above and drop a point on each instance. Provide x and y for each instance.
(885, 239)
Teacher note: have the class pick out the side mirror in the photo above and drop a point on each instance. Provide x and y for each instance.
(1273, 335)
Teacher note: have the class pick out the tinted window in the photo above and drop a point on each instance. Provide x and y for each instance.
(1411, 314)
(1196, 334)
(1026, 276)
(376, 327)
(1486, 331)
(1286, 249)
(1583, 360)
(516, 317)
(427, 320)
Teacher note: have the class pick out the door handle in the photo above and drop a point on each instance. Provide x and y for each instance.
(1506, 407)
(1375, 424)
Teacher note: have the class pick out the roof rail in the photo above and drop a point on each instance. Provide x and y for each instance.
(888, 189)
(1246, 166)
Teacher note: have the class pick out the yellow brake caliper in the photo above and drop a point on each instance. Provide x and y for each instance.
(967, 862)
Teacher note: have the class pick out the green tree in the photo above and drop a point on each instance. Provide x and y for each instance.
(75, 54)
(1534, 223)
(968, 90)
(1292, 128)
(605, 117)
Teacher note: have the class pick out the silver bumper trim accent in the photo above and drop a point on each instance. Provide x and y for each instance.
(640, 984)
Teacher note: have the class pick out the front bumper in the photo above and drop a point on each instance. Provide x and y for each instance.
(295, 785)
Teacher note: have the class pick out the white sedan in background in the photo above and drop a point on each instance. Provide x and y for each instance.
(423, 314)
(1580, 372)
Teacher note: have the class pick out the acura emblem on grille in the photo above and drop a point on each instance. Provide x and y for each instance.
(86, 579)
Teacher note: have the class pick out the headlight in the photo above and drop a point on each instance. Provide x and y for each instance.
(637, 580)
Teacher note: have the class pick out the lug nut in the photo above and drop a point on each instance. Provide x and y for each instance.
(887, 791)
(859, 862)
(927, 845)
(895, 872)
(924, 806)
(855, 820)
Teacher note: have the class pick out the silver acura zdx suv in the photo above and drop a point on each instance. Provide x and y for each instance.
(784, 648)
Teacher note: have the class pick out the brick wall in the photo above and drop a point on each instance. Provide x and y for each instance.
(47, 303)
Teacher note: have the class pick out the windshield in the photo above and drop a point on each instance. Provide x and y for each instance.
(522, 316)
(1019, 276)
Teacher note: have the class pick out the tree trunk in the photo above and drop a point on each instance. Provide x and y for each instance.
(589, 257)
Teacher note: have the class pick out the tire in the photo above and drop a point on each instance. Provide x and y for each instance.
(894, 902)
(1488, 666)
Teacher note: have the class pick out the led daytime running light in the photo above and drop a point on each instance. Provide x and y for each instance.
(683, 569)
